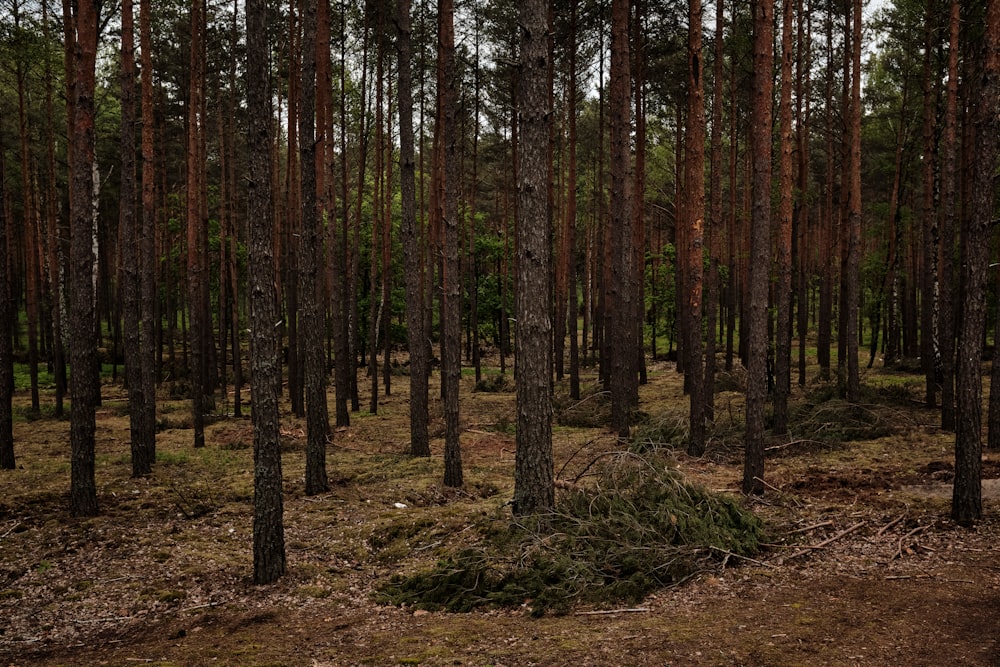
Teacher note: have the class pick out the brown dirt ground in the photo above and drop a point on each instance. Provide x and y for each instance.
(162, 576)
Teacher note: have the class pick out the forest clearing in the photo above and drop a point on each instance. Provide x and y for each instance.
(862, 564)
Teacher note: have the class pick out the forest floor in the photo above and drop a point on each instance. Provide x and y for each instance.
(862, 567)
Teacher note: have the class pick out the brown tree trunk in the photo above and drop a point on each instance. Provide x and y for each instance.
(853, 302)
(692, 260)
(570, 212)
(268, 522)
(760, 251)
(928, 284)
(622, 380)
(341, 349)
(196, 257)
(715, 225)
(147, 244)
(131, 230)
(412, 257)
(534, 491)
(84, 380)
(783, 288)
(310, 249)
(7, 460)
(451, 321)
(967, 504)
(948, 208)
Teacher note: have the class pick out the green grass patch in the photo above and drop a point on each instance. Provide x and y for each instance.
(642, 529)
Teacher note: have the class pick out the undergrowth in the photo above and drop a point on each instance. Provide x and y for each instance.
(641, 528)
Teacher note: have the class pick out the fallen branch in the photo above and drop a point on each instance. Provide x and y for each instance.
(822, 524)
(826, 542)
(773, 448)
(899, 550)
(630, 610)
(10, 530)
(890, 525)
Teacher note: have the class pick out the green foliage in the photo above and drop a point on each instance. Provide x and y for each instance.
(645, 528)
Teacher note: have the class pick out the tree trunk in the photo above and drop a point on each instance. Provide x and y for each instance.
(412, 256)
(268, 522)
(196, 258)
(572, 267)
(84, 381)
(131, 230)
(928, 284)
(854, 216)
(622, 380)
(310, 249)
(967, 504)
(693, 260)
(714, 227)
(534, 491)
(7, 460)
(948, 208)
(147, 244)
(451, 321)
(783, 288)
(760, 251)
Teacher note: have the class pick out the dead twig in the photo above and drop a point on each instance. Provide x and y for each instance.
(822, 524)
(826, 542)
(915, 531)
(606, 612)
(889, 525)
(10, 530)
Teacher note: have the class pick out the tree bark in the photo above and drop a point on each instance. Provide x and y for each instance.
(967, 504)
(760, 251)
(783, 288)
(622, 380)
(451, 324)
(854, 215)
(534, 491)
(7, 460)
(131, 230)
(268, 522)
(693, 260)
(196, 258)
(310, 247)
(412, 256)
(948, 209)
(84, 381)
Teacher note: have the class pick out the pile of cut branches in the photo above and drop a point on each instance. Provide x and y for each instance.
(641, 527)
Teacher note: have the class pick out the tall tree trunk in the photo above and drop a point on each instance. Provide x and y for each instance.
(693, 258)
(268, 522)
(451, 324)
(966, 503)
(131, 229)
(622, 380)
(57, 236)
(801, 258)
(534, 491)
(196, 259)
(928, 284)
(7, 460)
(147, 244)
(783, 288)
(949, 194)
(854, 215)
(412, 258)
(572, 267)
(760, 250)
(84, 381)
(341, 349)
(714, 226)
(310, 249)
